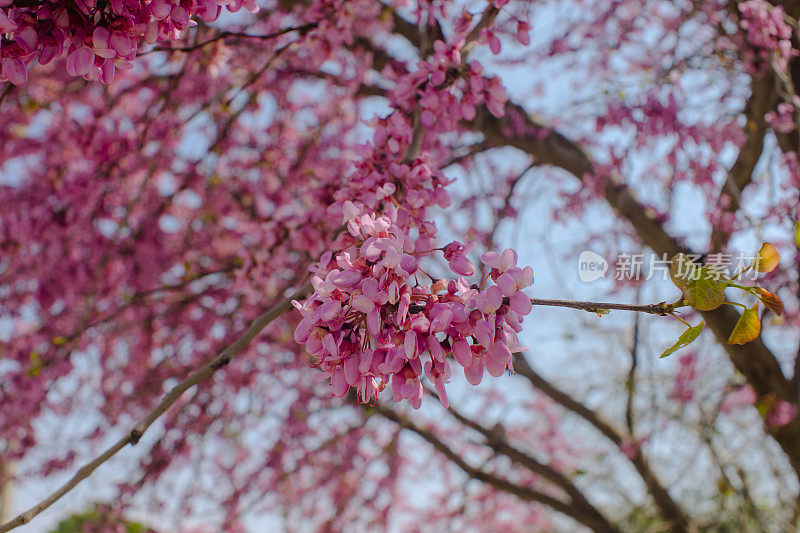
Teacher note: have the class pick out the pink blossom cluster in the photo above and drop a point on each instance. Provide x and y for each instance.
(768, 33)
(96, 37)
(446, 89)
(370, 322)
(782, 119)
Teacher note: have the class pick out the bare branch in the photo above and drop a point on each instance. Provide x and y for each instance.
(412, 151)
(7, 470)
(762, 100)
(630, 383)
(495, 439)
(754, 360)
(668, 507)
(226, 34)
(595, 523)
(660, 309)
(133, 436)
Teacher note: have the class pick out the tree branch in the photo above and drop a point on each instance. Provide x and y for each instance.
(549, 147)
(225, 34)
(521, 492)
(495, 439)
(660, 309)
(7, 470)
(133, 436)
(754, 360)
(762, 100)
(670, 510)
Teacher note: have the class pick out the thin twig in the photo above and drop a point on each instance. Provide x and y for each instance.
(669, 508)
(661, 309)
(596, 523)
(133, 436)
(496, 439)
(630, 383)
(469, 42)
(225, 34)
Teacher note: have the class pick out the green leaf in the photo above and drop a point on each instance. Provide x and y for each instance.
(684, 340)
(747, 327)
(706, 293)
(681, 270)
(702, 287)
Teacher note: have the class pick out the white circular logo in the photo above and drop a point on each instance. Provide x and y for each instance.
(591, 266)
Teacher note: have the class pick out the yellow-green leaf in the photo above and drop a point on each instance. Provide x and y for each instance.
(684, 340)
(36, 364)
(747, 328)
(705, 293)
(767, 258)
(682, 270)
(703, 287)
(797, 234)
(59, 341)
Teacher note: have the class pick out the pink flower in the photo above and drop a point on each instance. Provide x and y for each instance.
(462, 266)
(521, 303)
(522, 33)
(462, 352)
(490, 300)
(455, 254)
(14, 70)
(474, 372)
(100, 43)
(27, 38)
(79, 62)
(781, 413)
(501, 262)
(6, 24)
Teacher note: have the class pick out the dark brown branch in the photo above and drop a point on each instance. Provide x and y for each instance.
(412, 151)
(754, 360)
(499, 483)
(410, 31)
(762, 100)
(670, 510)
(549, 147)
(495, 439)
(630, 383)
(226, 34)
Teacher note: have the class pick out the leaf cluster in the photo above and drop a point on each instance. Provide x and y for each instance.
(703, 288)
